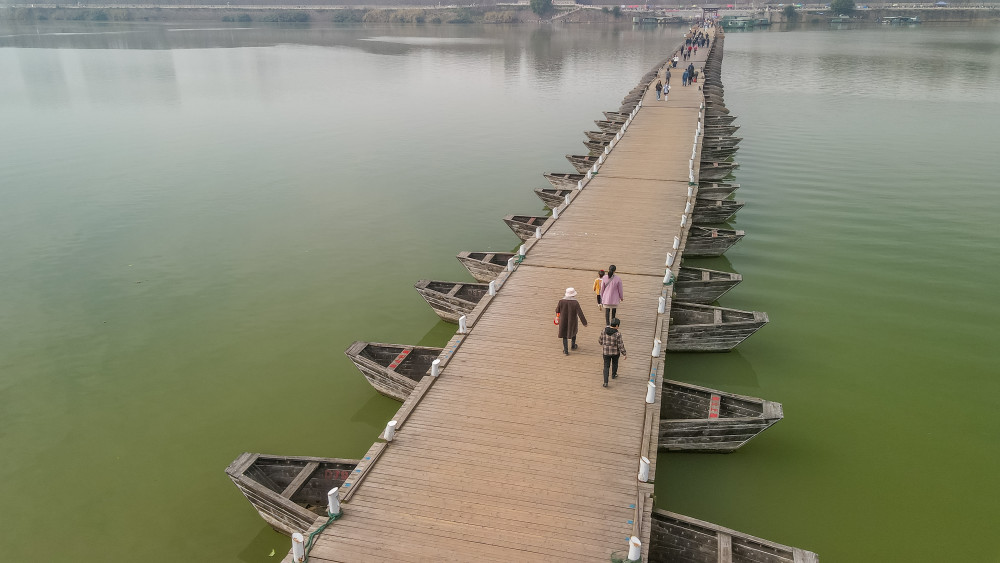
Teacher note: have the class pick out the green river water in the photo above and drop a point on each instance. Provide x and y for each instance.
(195, 223)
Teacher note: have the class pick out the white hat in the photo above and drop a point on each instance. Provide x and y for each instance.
(570, 292)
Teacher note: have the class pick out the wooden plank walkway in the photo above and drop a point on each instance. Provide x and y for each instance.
(516, 452)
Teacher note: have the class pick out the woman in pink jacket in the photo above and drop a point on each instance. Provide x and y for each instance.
(611, 294)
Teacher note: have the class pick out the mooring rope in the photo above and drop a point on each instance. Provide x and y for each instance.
(309, 544)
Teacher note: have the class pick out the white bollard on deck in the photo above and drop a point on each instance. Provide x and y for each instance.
(520, 251)
(595, 168)
(462, 325)
(634, 549)
(298, 548)
(691, 176)
(677, 242)
(600, 159)
(687, 209)
(333, 502)
(555, 212)
(435, 368)
(644, 469)
(684, 220)
(661, 306)
(510, 265)
(618, 137)
(670, 259)
(579, 184)
(390, 430)
(690, 191)
(607, 149)
(493, 284)
(699, 116)
(566, 199)
(538, 232)
(656, 347)
(691, 164)
(668, 279)
(650, 393)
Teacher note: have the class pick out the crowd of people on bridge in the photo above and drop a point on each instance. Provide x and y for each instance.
(569, 317)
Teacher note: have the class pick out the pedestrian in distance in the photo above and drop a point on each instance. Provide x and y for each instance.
(666, 90)
(597, 288)
(684, 78)
(611, 294)
(676, 60)
(613, 348)
(659, 88)
(667, 77)
(567, 312)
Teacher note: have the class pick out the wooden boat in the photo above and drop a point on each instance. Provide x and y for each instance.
(714, 211)
(552, 197)
(703, 286)
(451, 300)
(289, 492)
(719, 119)
(392, 369)
(524, 225)
(715, 110)
(720, 142)
(675, 538)
(705, 328)
(485, 266)
(616, 116)
(718, 155)
(596, 147)
(715, 190)
(704, 241)
(716, 170)
(699, 419)
(563, 180)
(720, 130)
(609, 126)
(599, 135)
(582, 163)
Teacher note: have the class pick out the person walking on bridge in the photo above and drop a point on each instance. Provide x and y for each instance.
(613, 348)
(666, 77)
(611, 294)
(567, 312)
(659, 88)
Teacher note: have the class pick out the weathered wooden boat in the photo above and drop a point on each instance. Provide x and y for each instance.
(552, 197)
(675, 538)
(596, 147)
(699, 419)
(289, 492)
(716, 170)
(582, 163)
(703, 286)
(524, 225)
(720, 130)
(719, 119)
(717, 155)
(616, 116)
(609, 126)
(563, 180)
(714, 210)
(451, 300)
(599, 135)
(392, 369)
(715, 108)
(485, 266)
(716, 190)
(704, 241)
(720, 142)
(706, 328)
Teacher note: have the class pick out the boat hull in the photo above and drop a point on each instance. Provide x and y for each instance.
(485, 266)
(559, 180)
(451, 303)
(714, 190)
(716, 170)
(609, 126)
(702, 241)
(581, 163)
(552, 197)
(714, 211)
(382, 375)
(699, 419)
(703, 286)
(704, 328)
(524, 225)
(675, 538)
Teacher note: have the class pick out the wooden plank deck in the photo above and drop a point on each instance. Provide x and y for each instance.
(517, 453)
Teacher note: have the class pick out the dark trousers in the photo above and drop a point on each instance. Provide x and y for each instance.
(566, 343)
(609, 313)
(610, 362)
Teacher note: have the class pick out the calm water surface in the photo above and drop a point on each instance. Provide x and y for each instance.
(195, 223)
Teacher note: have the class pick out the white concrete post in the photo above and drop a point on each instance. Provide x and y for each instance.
(677, 242)
(634, 549)
(333, 501)
(390, 431)
(510, 264)
(520, 251)
(589, 176)
(644, 469)
(600, 159)
(650, 392)
(538, 232)
(661, 306)
(595, 168)
(618, 137)
(639, 105)
(579, 184)
(668, 278)
(555, 212)
(298, 548)
(607, 149)
(462, 326)
(687, 209)
(670, 259)
(435, 368)
(690, 191)
(656, 347)
(684, 220)
(566, 199)
(691, 164)
(691, 176)
(493, 285)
